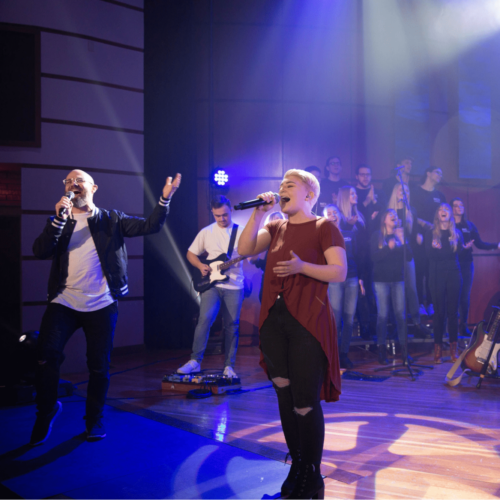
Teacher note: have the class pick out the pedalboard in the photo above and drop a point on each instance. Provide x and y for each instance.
(216, 383)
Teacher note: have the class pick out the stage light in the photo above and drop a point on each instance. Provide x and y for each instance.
(220, 178)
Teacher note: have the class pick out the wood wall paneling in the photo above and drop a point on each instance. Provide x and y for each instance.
(120, 192)
(75, 57)
(318, 65)
(138, 4)
(202, 138)
(93, 104)
(244, 69)
(82, 147)
(312, 132)
(34, 280)
(130, 326)
(378, 123)
(84, 17)
(246, 11)
(248, 138)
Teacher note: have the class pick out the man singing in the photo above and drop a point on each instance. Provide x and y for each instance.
(87, 277)
(214, 240)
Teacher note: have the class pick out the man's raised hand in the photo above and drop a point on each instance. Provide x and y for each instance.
(171, 186)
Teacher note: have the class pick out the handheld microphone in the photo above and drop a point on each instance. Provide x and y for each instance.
(399, 168)
(70, 195)
(255, 203)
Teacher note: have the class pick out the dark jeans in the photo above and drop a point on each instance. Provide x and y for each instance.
(58, 325)
(445, 286)
(424, 290)
(467, 271)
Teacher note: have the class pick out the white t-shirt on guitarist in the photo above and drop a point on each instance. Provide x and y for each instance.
(215, 240)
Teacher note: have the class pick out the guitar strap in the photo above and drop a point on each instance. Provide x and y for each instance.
(232, 241)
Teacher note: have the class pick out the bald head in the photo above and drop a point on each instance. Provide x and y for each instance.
(74, 174)
(82, 185)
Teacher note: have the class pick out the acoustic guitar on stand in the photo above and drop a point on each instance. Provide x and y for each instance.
(216, 275)
(478, 352)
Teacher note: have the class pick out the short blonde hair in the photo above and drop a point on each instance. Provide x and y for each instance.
(308, 179)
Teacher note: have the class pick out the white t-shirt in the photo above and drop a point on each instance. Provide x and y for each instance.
(215, 240)
(86, 288)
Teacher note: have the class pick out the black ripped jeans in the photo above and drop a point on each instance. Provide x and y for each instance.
(291, 352)
(58, 325)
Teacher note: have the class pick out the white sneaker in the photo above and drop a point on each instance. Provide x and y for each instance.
(430, 310)
(190, 367)
(422, 310)
(229, 372)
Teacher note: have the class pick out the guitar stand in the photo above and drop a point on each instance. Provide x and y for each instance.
(484, 369)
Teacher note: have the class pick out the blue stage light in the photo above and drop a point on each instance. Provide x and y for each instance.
(220, 178)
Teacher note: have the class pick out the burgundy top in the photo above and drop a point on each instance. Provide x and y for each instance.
(306, 298)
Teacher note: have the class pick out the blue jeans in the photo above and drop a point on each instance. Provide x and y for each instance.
(58, 325)
(211, 301)
(385, 292)
(343, 298)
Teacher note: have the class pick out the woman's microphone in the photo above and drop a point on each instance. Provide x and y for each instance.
(255, 203)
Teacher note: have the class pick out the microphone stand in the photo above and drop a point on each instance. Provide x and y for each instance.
(405, 368)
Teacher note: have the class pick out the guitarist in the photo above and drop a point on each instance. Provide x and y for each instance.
(215, 240)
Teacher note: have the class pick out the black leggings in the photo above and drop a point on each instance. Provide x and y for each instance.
(291, 352)
(445, 287)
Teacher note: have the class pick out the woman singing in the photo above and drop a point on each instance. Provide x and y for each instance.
(344, 295)
(298, 338)
(443, 245)
(469, 233)
(413, 234)
(387, 250)
(348, 204)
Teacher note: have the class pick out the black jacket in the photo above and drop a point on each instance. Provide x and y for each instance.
(108, 230)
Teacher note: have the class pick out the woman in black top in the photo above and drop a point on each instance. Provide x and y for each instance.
(443, 244)
(413, 233)
(426, 199)
(387, 253)
(469, 233)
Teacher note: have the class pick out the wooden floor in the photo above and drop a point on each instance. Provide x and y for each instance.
(395, 438)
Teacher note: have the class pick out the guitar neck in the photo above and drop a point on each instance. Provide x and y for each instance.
(231, 262)
(494, 326)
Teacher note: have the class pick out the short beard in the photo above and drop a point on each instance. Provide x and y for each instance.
(80, 201)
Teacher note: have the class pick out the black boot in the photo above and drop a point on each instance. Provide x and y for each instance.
(309, 482)
(293, 474)
(382, 355)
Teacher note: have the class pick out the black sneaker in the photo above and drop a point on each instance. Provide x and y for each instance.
(43, 425)
(95, 429)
